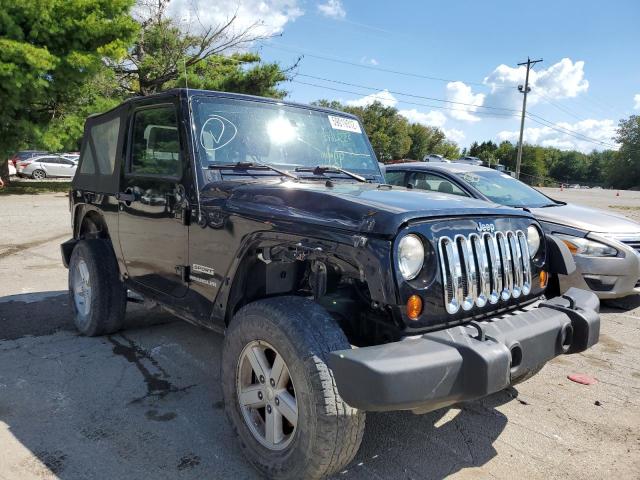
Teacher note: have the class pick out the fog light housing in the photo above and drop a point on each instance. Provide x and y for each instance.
(414, 307)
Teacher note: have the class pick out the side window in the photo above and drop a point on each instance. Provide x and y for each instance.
(155, 148)
(49, 160)
(104, 137)
(436, 183)
(395, 178)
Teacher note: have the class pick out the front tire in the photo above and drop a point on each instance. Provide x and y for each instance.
(280, 395)
(97, 295)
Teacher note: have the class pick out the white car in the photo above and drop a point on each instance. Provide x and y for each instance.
(12, 168)
(45, 166)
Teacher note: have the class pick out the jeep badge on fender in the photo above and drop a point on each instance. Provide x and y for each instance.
(266, 221)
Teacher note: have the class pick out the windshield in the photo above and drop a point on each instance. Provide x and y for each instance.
(505, 190)
(231, 131)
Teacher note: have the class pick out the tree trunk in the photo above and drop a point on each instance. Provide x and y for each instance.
(4, 171)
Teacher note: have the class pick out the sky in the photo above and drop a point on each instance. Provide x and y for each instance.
(453, 64)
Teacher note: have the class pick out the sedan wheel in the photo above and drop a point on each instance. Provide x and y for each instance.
(39, 175)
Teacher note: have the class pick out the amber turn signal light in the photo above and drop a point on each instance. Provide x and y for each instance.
(543, 279)
(414, 307)
(572, 248)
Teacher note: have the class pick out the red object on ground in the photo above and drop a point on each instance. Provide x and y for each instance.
(582, 379)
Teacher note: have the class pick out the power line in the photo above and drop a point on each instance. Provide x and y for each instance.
(405, 94)
(441, 107)
(370, 67)
(566, 131)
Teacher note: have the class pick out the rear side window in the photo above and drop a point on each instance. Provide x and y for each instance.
(395, 178)
(105, 140)
(436, 183)
(155, 146)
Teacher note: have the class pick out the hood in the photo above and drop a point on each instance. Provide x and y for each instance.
(586, 218)
(360, 207)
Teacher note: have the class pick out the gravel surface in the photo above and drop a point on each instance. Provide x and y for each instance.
(146, 403)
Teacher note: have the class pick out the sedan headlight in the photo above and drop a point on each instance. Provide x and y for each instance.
(587, 248)
(533, 239)
(410, 256)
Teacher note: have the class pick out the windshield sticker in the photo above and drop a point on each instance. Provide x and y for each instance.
(217, 132)
(471, 178)
(346, 124)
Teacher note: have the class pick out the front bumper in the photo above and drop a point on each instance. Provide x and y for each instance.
(465, 362)
(607, 277)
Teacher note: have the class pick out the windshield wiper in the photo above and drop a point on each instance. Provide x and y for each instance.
(251, 165)
(322, 169)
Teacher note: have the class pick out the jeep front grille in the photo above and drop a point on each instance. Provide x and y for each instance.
(482, 269)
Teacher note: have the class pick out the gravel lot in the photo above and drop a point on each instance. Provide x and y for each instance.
(146, 403)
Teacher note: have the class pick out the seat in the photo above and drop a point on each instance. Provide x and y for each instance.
(422, 184)
(445, 187)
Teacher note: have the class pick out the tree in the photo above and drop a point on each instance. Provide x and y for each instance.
(624, 170)
(424, 140)
(48, 51)
(165, 48)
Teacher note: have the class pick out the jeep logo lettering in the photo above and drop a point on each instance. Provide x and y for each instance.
(485, 227)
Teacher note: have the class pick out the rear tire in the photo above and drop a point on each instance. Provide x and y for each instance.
(327, 432)
(39, 174)
(97, 296)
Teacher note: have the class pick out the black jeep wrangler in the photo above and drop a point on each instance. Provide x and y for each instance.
(338, 294)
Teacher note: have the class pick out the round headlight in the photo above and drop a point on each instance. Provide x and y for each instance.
(410, 256)
(533, 239)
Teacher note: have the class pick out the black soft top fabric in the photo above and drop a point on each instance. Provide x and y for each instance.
(96, 179)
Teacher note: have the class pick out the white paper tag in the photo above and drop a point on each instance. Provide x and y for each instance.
(346, 124)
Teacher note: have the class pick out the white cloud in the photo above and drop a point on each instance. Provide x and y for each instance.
(332, 9)
(636, 99)
(384, 97)
(269, 16)
(600, 130)
(564, 79)
(460, 92)
(369, 61)
(433, 118)
(454, 134)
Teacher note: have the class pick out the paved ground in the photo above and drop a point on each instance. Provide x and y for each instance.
(146, 403)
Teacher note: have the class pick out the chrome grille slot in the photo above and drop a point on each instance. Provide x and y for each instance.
(482, 269)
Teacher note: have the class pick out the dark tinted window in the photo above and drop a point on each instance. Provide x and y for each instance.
(395, 178)
(49, 160)
(156, 144)
(436, 183)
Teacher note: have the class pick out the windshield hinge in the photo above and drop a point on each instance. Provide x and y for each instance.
(183, 272)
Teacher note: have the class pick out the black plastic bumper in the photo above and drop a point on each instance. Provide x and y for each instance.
(465, 362)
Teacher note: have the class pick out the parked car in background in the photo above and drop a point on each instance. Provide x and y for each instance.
(12, 167)
(469, 160)
(25, 155)
(46, 166)
(605, 246)
(432, 157)
(72, 156)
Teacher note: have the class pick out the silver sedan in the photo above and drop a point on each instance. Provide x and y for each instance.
(605, 246)
(45, 166)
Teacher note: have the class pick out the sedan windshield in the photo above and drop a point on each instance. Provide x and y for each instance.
(237, 132)
(505, 190)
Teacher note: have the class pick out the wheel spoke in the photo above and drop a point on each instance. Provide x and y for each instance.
(249, 397)
(288, 407)
(258, 362)
(273, 427)
(279, 372)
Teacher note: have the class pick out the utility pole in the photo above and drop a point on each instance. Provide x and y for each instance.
(529, 63)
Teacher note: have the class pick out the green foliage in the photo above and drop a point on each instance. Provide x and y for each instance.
(31, 188)
(623, 169)
(48, 52)
(239, 73)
